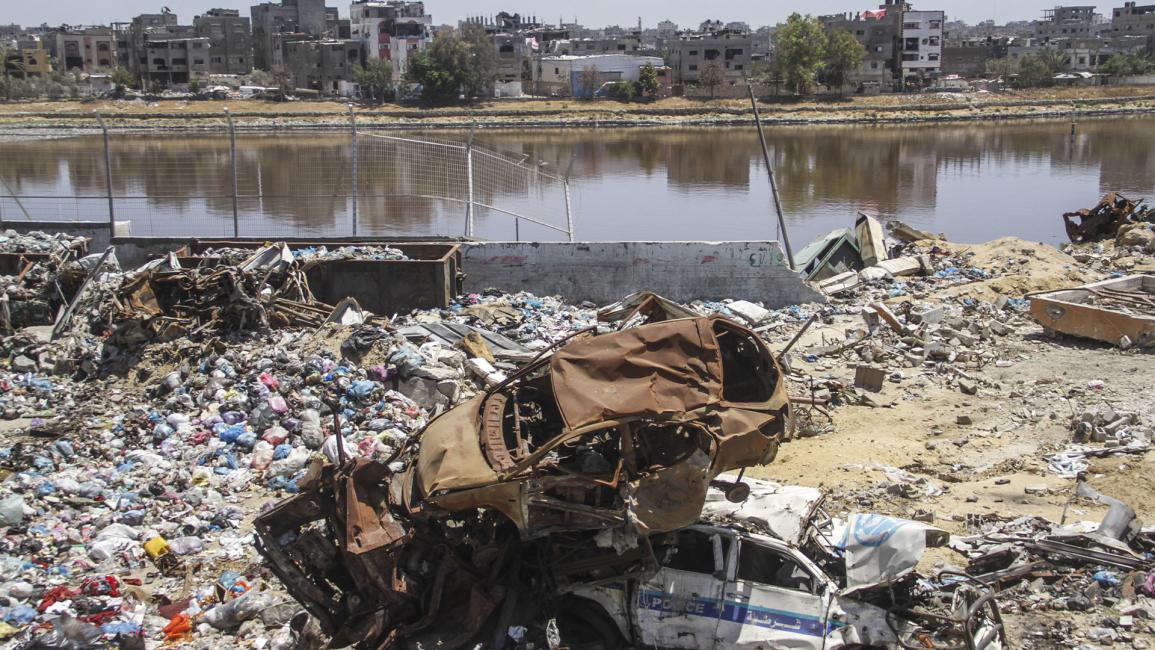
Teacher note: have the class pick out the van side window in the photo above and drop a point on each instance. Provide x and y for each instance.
(688, 550)
(766, 566)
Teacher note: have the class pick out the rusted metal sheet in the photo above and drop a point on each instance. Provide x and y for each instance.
(1119, 311)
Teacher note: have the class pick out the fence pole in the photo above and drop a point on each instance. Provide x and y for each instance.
(353, 155)
(773, 183)
(568, 214)
(568, 211)
(107, 175)
(469, 183)
(233, 159)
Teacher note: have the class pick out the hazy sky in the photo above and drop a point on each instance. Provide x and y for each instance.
(592, 13)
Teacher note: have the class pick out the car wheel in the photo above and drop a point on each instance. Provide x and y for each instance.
(584, 625)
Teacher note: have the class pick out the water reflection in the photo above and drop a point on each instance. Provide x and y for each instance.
(971, 181)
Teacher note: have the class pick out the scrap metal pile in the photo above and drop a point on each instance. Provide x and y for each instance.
(1112, 217)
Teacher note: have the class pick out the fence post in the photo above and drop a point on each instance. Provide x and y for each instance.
(107, 176)
(353, 152)
(233, 159)
(568, 211)
(568, 214)
(469, 183)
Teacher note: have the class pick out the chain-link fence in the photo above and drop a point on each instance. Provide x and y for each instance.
(229, 182)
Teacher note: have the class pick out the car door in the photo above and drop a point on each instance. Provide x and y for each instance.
(774, 600)
(679, 606)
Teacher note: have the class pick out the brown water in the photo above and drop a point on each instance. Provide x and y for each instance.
(974, 182)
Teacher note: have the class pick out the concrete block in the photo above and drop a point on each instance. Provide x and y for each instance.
(901, 266)
(748, 311)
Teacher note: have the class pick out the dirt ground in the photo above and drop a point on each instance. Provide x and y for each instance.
(985, 452)
(563, 112)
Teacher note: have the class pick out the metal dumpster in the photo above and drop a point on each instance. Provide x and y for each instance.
(429, 279)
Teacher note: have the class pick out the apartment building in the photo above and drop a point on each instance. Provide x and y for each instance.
(230, 40)
(390, 31)
(86, 50)
(922, 35)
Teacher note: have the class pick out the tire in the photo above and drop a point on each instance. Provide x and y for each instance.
(584, 625)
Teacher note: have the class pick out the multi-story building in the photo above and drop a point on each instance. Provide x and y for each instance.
(33, 58)
(879, 32)
(273, 22)
(173, 59)
(326, 66)
(921, 47)
(390, 31)
(732, 52)
(230, 40)
(1133, 20)
(667, 29)
(88, 50)
(1067, 22)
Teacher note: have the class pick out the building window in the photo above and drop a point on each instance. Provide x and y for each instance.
(932, 57)
(693, 66)
(198, 61)
(874, 65)
(861, 32)
(693, 53)
(911, 26)
(737, 66)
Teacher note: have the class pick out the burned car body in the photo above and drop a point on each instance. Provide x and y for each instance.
(625, 429)
(505, 495)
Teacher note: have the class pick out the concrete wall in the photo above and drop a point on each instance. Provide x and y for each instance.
(603, 272)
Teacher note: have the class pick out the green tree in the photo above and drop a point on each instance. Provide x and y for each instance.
(624, 90)
(1053, 60)
(648, 84)
(376, 80)
(711, 76)
(1126, 65)
(121, 80)
(801, 46)
(455, 65)
(1033, 71)
(481, 57)
(194, 86)
(843, 56)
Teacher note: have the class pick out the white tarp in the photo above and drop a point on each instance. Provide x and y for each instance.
(880, 549)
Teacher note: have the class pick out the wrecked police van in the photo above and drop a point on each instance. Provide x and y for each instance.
(776, 571)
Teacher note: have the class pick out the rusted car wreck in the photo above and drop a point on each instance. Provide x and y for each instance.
(570, 476)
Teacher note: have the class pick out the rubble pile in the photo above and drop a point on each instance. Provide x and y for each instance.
(209, 455)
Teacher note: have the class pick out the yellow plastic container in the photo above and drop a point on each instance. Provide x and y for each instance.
(157, 547)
